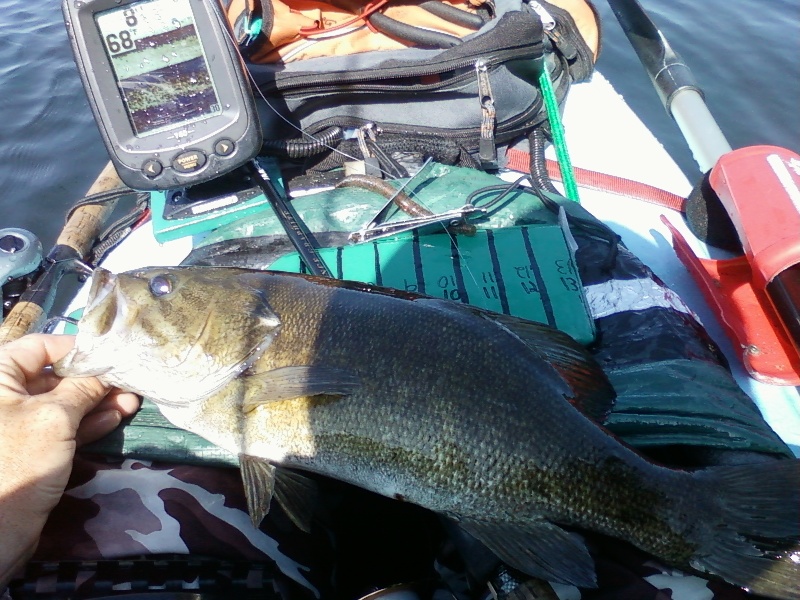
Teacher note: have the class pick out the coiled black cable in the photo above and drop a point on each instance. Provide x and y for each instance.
(537, 143)
(423, 38)
(305, 146)
(453, 14)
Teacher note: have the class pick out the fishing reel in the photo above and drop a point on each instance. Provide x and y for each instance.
(21, 257)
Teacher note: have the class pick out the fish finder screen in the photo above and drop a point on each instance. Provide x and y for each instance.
(158, 63)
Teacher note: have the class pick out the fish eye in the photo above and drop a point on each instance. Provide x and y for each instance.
(160, 285)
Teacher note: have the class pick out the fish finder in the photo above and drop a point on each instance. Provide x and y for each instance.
(167, 87)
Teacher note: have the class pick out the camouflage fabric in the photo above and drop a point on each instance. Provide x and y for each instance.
(132, 513)
(115, 509)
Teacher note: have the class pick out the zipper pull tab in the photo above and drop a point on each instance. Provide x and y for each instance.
(548, 22)
(550, 26)
(487, 148)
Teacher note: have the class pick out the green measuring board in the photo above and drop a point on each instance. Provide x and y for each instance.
(526, 271)
(208, 215)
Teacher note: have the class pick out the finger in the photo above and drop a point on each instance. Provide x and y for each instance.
(23, 359)
(36, 350)
(126, 403)
(106, 416)
(97, 425)
(44, 383)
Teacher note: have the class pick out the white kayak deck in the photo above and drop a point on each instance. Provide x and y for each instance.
(604, 135)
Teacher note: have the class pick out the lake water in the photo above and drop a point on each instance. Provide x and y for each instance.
(745, 54)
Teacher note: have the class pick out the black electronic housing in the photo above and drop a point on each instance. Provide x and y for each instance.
(175, 154)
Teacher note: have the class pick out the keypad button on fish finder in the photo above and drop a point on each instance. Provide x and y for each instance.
(167, 86)
(224, 147)
(152, 168)
(189, 161)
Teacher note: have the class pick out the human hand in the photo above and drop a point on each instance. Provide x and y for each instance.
(43, 418)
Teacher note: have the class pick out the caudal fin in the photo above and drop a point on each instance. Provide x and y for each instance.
(756, 544)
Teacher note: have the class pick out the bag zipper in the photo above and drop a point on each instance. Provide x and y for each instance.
(563, 35)
(489, 47)
(503, 132)
(487, 148)
(313, 83)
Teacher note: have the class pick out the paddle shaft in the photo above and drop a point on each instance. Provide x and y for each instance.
(74, 243)
(683, 100)
(673, 80)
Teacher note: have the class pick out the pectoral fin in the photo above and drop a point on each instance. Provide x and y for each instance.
(295, 493)
(540, 549)
(288, 383)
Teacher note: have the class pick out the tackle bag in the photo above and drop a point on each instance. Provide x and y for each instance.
(453, 80)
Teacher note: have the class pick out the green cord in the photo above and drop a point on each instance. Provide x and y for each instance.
(557, 128)
(255, 27)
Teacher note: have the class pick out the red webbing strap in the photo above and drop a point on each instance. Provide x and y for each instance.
(519, 160)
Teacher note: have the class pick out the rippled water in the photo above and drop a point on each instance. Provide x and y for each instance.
(744, 53)
(50, 147)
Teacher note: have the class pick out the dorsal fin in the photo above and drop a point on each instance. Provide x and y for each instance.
(594, 394)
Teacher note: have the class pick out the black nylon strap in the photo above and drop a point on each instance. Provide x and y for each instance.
(173, 578)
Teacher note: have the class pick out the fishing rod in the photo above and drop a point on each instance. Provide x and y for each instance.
(73, 245)
(759, 189)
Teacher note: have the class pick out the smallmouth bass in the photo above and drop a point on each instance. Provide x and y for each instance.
(462, 411)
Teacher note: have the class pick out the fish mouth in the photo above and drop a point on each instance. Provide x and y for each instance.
(96, 321)
(103, 283)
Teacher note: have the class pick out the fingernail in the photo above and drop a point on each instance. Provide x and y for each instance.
(108, 418)
(130, 403)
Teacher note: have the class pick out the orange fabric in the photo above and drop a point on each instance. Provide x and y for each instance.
(292, 39)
